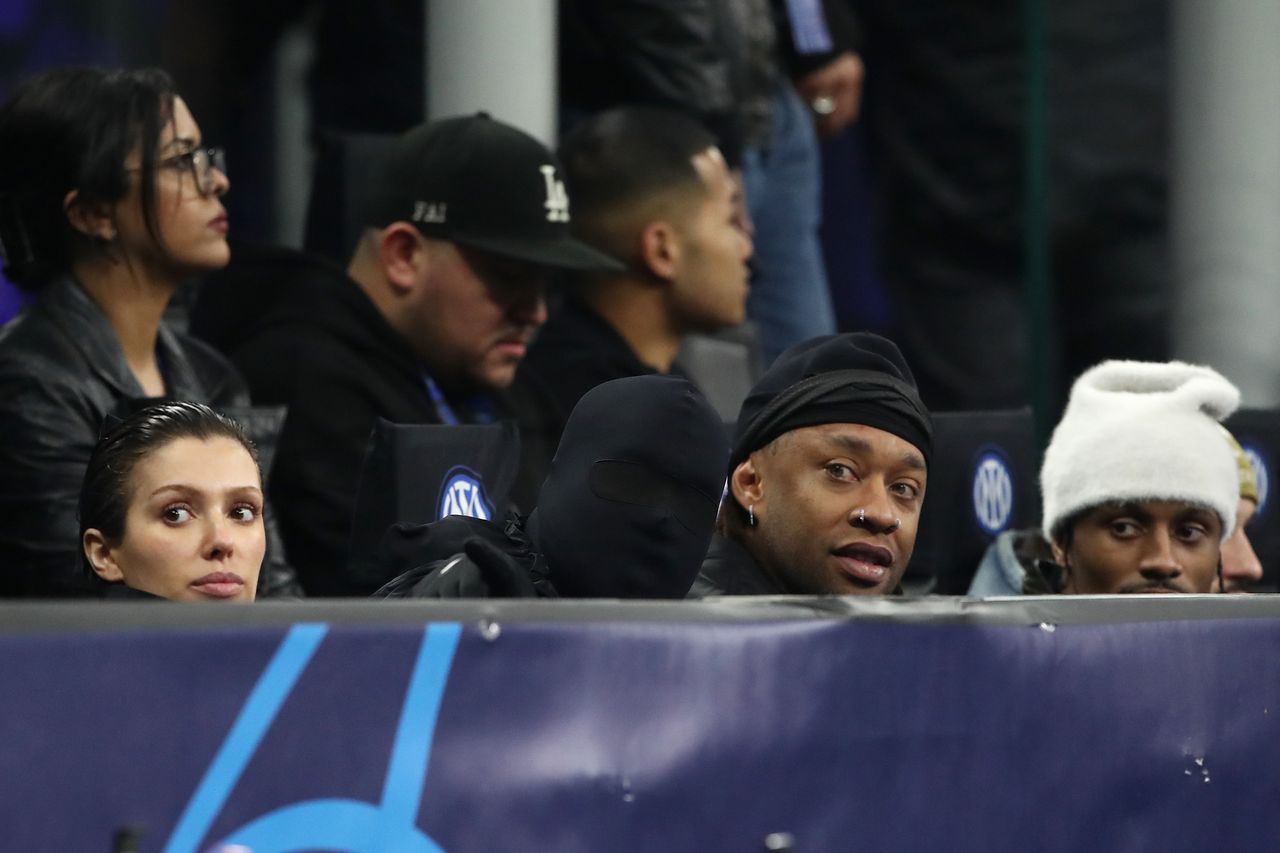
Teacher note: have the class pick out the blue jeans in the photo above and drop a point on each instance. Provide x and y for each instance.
(789, 298)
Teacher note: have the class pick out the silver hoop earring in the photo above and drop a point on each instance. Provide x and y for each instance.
(751, 515)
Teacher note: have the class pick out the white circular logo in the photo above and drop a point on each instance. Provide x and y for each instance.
(1260, 472)
(992, 492)
(463, 494)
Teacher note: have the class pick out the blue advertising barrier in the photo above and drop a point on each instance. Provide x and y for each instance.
(1038, 724)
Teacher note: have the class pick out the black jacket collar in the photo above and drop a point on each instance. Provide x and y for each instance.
(730, 570)
(69, 308)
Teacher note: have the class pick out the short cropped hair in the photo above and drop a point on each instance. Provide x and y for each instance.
(622, 158)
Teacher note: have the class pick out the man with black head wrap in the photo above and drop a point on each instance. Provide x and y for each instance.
(627, 510)
(827, 475)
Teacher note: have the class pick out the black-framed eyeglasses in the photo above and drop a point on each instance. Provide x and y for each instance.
(200, 162)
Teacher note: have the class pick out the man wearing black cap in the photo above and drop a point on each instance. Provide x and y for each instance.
(446, 286)
(827, 475)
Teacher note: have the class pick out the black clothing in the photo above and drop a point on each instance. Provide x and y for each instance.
(626, 511)
(120, 592)
(628, 507)
(461, 557)
(730, 570)
(62, 371)
(306, 336)
(575, 351)
(947, 110)
(716, 59)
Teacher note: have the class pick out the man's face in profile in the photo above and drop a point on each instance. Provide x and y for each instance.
(1241, 568)
(476, 316)
(1141, 547)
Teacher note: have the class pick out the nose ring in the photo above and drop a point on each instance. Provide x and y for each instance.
(862, 521)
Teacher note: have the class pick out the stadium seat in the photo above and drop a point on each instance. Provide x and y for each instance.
(982, 481)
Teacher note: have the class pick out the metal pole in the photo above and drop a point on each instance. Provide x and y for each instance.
(493, 55)
(1225, 218)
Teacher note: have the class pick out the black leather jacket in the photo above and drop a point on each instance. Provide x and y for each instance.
(62, 370)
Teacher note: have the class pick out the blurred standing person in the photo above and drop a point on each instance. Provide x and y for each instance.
(947, 111)
(727, 62)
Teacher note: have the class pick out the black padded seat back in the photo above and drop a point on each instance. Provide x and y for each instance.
(983, 480)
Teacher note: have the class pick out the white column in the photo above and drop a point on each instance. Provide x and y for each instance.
(493, 55)
(1225, 226)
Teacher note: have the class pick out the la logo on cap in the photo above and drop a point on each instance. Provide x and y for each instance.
(557, 199)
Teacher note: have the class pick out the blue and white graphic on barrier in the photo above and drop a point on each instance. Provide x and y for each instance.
(992, 492)
(676, 735)
(463, 494)
(338, 825)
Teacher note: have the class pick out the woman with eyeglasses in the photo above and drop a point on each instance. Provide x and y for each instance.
(109, 201)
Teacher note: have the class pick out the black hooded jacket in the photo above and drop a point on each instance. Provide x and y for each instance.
(306, 336)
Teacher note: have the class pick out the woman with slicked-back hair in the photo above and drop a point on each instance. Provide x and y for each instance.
(171, 507)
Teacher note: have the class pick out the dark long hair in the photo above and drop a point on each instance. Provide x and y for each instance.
(105, 495)
(72, 129)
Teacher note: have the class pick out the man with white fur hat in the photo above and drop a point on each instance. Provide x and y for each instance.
(1139, 487)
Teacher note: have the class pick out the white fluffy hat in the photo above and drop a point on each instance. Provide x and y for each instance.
(1137, 430)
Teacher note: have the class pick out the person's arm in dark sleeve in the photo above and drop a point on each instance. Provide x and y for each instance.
(313, 480)
(833, 77)
(46, 439)
(659, 52)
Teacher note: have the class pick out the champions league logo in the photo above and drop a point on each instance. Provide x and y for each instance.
(339, 824)
(463, 494)
(1260, 471)
(992, 492)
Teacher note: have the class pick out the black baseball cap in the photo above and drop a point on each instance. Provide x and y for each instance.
(481, 183)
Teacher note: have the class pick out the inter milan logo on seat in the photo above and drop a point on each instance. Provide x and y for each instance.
(1260, 472)
(992, 492)
(463, 494)
(557, 199)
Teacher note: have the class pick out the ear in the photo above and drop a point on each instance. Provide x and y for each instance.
(660, 249)
(101, 556)
(1060, 557)
(403, 256)
(746, 484)
(92, 220)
